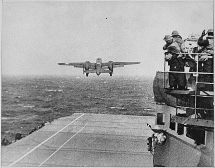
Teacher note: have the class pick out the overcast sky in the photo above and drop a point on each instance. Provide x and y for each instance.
(38, 35)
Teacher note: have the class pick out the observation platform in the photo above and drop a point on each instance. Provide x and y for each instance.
(84, 140)
(175, 92)
(193, 121)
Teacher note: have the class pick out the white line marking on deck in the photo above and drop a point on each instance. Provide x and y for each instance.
(63, 145)
(43, 142)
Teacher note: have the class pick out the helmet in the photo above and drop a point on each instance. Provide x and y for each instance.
(210, 31)
(175, 33)
(167, 37)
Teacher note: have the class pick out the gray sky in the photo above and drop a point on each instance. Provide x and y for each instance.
(38, 35)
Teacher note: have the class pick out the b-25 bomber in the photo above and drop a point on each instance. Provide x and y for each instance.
(98, 67)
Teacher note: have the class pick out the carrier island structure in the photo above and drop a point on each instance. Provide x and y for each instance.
(185, 117)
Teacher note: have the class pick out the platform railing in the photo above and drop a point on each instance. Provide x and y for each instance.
(195, 58)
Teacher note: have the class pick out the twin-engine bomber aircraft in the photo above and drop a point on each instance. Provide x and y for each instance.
(98, 67)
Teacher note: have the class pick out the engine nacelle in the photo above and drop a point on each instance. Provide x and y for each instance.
(110, 66)
(87, 65)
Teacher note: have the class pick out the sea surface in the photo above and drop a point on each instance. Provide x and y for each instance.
(28, 102)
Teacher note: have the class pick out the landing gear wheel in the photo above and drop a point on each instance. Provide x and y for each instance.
(111, 74)
(87, 74)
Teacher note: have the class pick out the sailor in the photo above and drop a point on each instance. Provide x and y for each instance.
(206, 60)
(208, 43)
(178, 39)
(176, 80)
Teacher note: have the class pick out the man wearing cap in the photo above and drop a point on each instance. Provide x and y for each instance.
(176, 80)
(178, 39)
(206, 60)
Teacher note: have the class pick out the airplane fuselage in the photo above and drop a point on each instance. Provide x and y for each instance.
(98, 66)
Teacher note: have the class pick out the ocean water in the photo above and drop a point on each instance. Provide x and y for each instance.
(30, 101)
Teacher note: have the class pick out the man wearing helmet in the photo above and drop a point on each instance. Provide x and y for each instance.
(178, 39)
(176, 80)
(206, 60)
(207, 43)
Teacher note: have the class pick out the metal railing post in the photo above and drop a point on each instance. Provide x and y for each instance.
(196, 87)
(164, 72)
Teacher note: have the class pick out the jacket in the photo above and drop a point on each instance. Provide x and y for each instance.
(180, 43)
(175, 63)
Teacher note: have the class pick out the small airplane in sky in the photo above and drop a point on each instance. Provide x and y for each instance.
(98, 67)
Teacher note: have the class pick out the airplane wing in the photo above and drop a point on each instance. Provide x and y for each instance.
(79, 64)
(121, 64)
(125, 63)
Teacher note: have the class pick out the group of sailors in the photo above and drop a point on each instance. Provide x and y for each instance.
(175, 55)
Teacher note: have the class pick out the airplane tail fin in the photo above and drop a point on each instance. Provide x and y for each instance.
(105, 71)
(89, 71)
